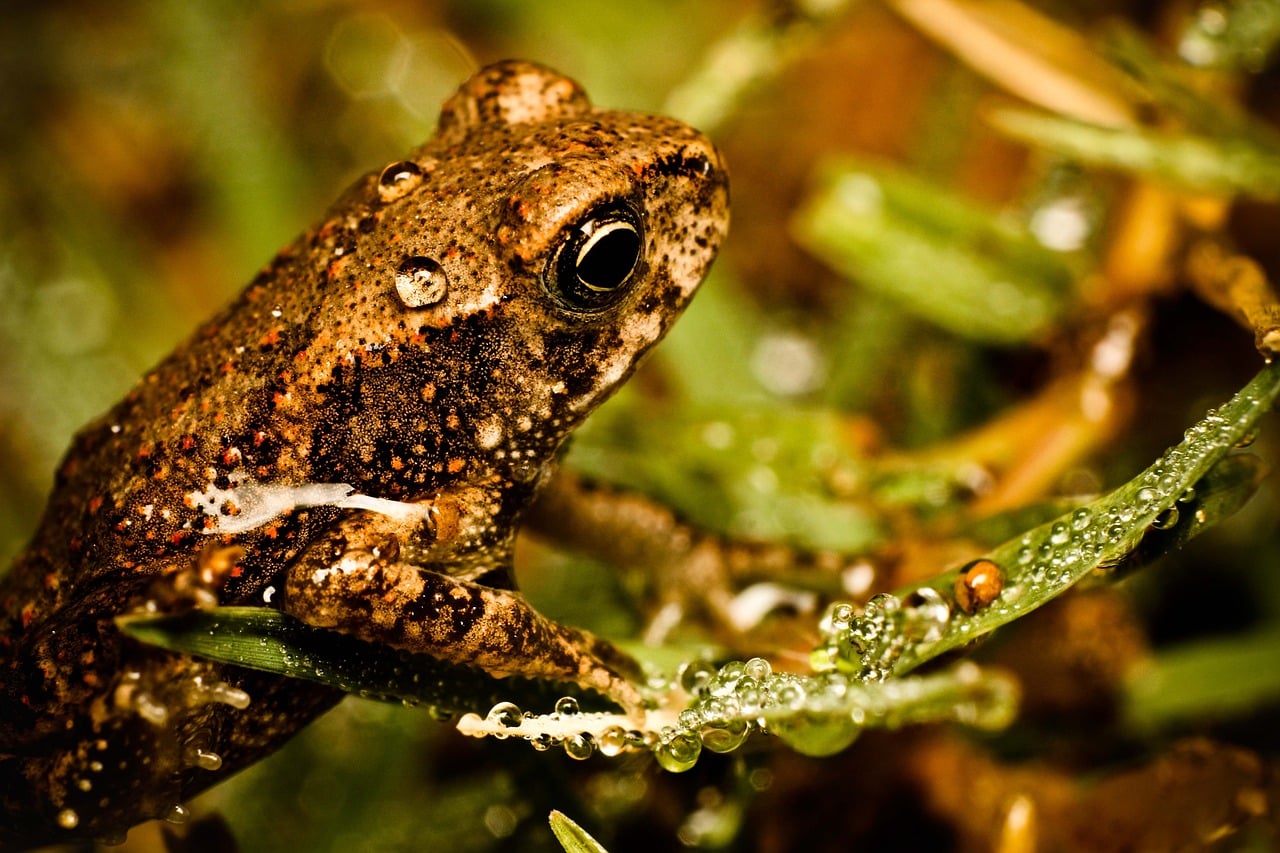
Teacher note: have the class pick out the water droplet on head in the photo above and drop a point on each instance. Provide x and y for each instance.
(420, 281)
(204, 759)
(978, 584)
(398, 180)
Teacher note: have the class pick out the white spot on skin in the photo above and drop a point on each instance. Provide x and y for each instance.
(259, 503)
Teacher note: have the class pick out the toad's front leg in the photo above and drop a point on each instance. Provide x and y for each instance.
(356, 580)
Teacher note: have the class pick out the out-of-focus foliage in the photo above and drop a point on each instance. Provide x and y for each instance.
(1013, 327)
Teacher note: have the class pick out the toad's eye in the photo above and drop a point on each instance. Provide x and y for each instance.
(596, 259)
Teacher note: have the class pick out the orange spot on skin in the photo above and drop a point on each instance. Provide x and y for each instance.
(456, 465)
(95, 503)
(271, 338)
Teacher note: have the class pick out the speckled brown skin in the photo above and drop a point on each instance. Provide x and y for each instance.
(324, 372)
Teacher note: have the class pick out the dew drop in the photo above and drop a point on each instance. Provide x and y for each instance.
(579, 746)
(758, 668)
(814, 737)
(930, 612)
(1247, 439)
(177, 813)
(398, 180)
(68, 819)
(1188, 495)
(1058, 534)
(1166, 519)
(1080, 519)
(724, 736)
(505, 714)
(978, 584)
(680, 753)
(694, 676)
(613, 741)
(567, 706)
(791, 695)
(420, 282)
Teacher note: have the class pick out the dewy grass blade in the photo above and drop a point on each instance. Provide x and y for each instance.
(268, 640)
(1047, 560)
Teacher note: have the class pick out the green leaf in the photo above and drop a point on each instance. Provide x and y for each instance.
(1235, 165)
(573, 838)
(268, 640)
(942, 258)
(1218, 678)
(1046, 561)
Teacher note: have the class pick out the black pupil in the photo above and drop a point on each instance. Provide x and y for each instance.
(608, 256)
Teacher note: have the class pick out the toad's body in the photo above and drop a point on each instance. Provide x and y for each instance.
(352, 440)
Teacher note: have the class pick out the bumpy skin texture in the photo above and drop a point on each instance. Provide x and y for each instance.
(346, 362)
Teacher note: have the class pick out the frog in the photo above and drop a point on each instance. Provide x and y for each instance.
(354, 440)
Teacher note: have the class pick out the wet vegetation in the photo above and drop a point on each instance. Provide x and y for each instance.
(993, 277)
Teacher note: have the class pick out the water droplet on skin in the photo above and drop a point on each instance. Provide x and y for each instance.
(68, 819)
(420, 282)
(567, 706)
(204, 759)
(978, 585)
(398, 180)
(1166, 519)
(177, 813)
